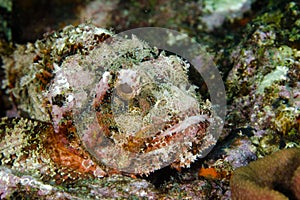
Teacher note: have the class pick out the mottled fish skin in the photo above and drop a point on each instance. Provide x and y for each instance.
(142, 100)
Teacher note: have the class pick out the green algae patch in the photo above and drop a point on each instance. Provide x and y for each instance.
(278, 74)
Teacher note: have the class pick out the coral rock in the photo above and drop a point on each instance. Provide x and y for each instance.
(272, 177)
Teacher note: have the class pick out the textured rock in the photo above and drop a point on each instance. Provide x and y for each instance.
(263, 86)
(273, 177)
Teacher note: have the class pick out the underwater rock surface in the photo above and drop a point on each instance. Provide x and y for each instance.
(263, 86)
(274, 177)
